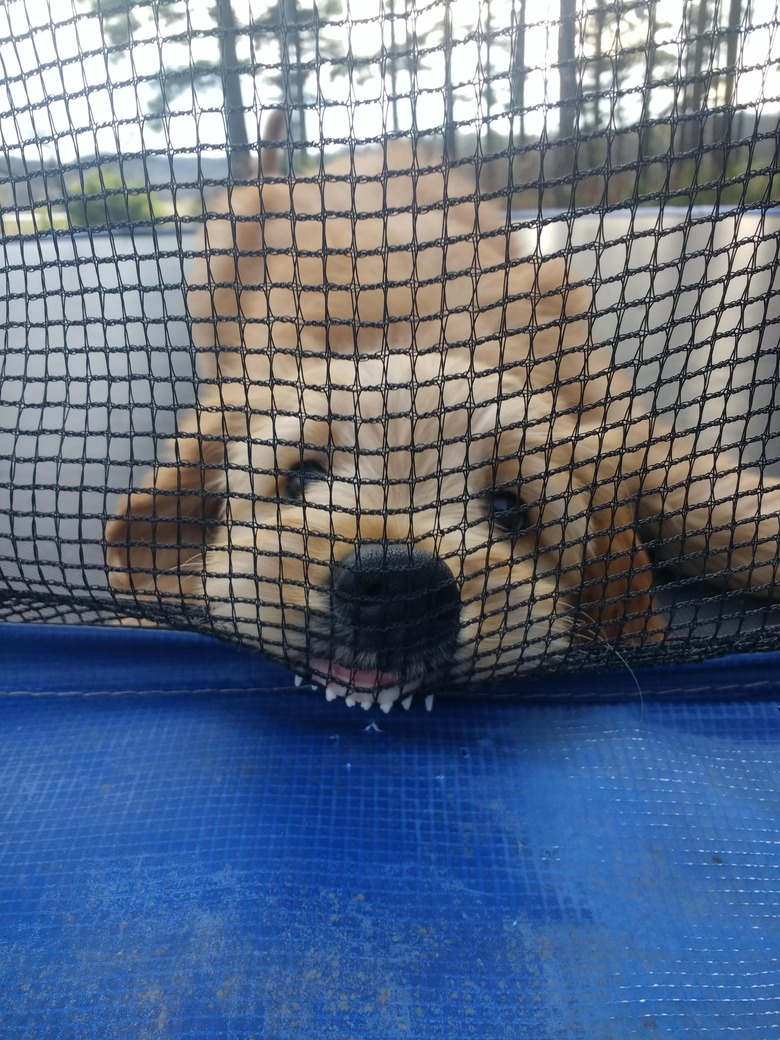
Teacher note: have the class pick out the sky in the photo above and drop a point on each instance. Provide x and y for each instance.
(61, 97)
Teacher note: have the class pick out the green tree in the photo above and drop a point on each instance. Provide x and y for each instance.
(284, 41)
(102, 196)
(396, 63)
(704, 108)
(293, 34)
(121, 20)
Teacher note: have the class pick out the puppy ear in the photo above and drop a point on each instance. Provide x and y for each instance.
(228, 295)
(161, 529)
(617, 589)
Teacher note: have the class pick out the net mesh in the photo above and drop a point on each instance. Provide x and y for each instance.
(425, 342)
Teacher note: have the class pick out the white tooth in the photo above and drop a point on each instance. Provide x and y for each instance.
(386, 705)
(429, 702)
(390, 695)
(364, 703)
(330, 693)
(350, 701)
(407, 702)
(298, 680)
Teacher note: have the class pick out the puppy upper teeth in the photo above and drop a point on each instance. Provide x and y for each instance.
(384, 698)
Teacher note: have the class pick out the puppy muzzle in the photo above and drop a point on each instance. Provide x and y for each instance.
(395, 610)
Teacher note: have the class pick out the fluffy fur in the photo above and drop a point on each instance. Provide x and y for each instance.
(407, 462)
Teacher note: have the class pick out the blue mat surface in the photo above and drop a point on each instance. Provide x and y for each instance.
(191, 848)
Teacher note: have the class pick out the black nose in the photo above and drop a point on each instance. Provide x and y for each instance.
(395, 603)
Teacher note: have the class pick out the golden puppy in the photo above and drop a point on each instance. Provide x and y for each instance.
(407, 464)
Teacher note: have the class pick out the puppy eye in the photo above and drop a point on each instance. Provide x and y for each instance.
(508, 510)
(295, 481)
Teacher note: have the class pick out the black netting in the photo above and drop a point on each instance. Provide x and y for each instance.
(470, 368)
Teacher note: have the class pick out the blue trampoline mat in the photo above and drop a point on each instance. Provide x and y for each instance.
(191, 848)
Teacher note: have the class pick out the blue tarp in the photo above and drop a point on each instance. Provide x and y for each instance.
(192, 848)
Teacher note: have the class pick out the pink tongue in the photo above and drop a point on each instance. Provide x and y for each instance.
(366, 678)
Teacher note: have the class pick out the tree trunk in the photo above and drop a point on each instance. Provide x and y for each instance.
(567, 68)
(734, 33)
(646, 127)
(293, 74)
(449, 98)
(699, 78)
(517, 103)
(393, 68)
(564, 153)
(239, 162)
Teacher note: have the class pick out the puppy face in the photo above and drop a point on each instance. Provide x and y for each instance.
(391, 523)
(389, 483)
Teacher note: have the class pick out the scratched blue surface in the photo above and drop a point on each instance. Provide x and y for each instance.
(197, 850)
